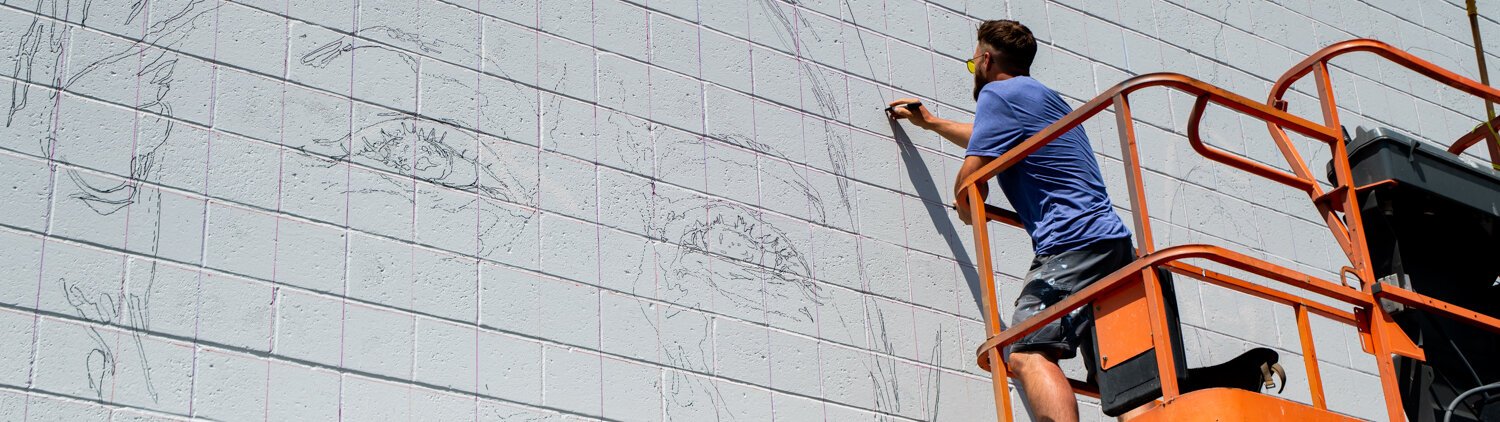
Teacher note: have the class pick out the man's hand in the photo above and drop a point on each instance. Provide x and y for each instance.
(921, 117)
(955, 132)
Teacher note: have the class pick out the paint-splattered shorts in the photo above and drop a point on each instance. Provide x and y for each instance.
(1053, 278)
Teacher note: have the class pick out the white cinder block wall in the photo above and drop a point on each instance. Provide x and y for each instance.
(606, 209)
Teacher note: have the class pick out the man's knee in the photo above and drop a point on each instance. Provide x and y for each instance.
(1028, 361)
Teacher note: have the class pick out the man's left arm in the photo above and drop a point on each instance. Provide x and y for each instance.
(971, 165)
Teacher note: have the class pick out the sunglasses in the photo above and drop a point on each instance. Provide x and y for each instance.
(972, 66)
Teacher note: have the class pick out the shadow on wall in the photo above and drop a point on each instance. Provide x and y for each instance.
(921, 180)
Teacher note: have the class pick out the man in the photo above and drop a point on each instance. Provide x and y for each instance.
(1057, 192)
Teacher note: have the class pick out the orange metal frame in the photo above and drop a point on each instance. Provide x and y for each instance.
(1379, 334)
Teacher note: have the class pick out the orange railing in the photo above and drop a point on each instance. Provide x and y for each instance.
(1379, 334)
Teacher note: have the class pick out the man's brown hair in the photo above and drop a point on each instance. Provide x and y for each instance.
(1013, 41)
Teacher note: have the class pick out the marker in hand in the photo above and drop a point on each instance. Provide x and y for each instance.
(913, 107)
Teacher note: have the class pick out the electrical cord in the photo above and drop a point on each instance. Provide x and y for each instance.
(1448, 412)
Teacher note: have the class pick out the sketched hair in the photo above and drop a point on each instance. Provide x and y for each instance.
(1014, 42)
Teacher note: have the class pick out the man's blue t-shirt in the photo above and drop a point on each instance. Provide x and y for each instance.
(1057, 191)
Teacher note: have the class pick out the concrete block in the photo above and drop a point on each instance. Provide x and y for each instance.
(226, 387)
(794, 408)
(160, 298)
(569, 127)
(685, 339)
(725, 116)
(848, 376)
(567, 67)
(570, 249)
(510, 300)
(18, 330)
(81, 124)
(240, 241)
(842, 317)
(447, 219)
(21, 264)
(785, 188)
(725, 59)
(932, 282)
(732, 172)
(743, 351)
(510, 368)
(571, 20)
(927, 226)
(380, 271)
(680, 159)
(430, 405)
(627, 263)
(373, 399)
(511, 50)
(508, 171)
(742, 402)
(301, 392)
(730, 17)
(782, 141)
(1076, 38)
(245, 171)
(24, 192)
(952, 34)
(625, 201)
(1033, 14)
(569, 187)
(624, 28)
(906, 20)
(628, 326)
(251, 39)
(793, 354)
(625, 141)
(892, 328)
(774, 76)
(674, 44)
(885, 269)
(167, 226)
(305, 323)
(572, 379)
(676, 101)
(235, 312)
(691, 397)
(445, 285)
(824, 91)
(446, 354)
(311, 256)
(320, 57)
(380, 203)
(509, 110)
(570, 313)
(448, 32)
(111, 66)
(631, 392)
(873, 219)
(377, 341)
(867, 103)
(14, 405)
(449, 94)
(773, 25)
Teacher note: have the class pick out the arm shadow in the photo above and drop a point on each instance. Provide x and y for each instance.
(922, 183)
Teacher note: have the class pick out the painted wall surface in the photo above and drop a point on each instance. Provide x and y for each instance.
(606, 209)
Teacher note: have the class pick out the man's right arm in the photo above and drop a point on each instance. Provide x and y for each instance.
(956, 132)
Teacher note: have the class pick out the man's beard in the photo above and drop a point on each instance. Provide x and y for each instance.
(979, 83)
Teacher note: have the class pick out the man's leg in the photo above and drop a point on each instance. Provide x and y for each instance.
(1045, 386)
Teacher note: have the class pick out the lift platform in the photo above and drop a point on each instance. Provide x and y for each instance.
(1424, 306)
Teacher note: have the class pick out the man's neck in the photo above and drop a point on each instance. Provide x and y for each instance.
(1003, 76)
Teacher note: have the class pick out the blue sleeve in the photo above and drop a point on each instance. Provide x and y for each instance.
(996, 126)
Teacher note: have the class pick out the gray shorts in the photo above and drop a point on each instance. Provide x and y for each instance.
(1053, 278)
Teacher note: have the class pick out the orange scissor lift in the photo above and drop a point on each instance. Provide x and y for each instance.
(1129, 305)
